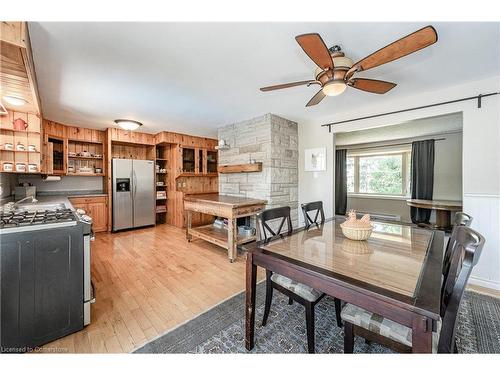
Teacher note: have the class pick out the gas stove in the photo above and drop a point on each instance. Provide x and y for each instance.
(19, 220)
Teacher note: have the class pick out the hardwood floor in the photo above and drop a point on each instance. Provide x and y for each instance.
(148, 281)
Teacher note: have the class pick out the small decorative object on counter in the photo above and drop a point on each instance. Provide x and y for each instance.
(71, 153)
(160, 183)
(8, 167)
(354, 229)
(32, 148)
(32, 168)
(20, 147)
(20, 167)
(8, 146)
(97, 170)
(85, 154)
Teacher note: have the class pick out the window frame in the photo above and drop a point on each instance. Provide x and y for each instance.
(405, 174)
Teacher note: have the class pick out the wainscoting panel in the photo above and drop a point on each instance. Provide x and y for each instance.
(485, 208)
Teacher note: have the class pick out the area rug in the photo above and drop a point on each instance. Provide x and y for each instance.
(222, 329)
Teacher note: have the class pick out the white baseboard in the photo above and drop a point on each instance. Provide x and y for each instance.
(490, 284)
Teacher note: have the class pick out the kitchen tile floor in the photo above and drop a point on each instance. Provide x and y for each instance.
(148, 281)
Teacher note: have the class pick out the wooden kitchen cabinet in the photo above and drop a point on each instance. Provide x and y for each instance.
(196, 161)
(96, 208)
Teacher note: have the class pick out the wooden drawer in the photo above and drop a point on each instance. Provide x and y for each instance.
(84, 200)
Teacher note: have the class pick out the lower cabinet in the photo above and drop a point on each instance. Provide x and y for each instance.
(41, 287)
(96, 208)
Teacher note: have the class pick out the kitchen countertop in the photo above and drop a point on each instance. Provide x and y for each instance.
(61, 197)
(54, 199)
(226, 200)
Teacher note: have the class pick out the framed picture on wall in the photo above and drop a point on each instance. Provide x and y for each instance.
(315, 159)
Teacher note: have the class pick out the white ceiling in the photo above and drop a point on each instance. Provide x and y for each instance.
(194, 77)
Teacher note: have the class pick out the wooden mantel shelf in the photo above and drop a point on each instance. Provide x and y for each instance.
(240, 168)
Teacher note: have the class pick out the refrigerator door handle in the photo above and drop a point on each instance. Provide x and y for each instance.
(135, 183)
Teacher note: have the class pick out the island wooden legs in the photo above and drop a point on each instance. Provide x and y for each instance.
(251, 281)
(189, 220)
(232, 239)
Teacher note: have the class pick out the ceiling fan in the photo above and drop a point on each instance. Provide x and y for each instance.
(335, 71)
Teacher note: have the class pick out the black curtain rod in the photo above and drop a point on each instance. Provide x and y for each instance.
(478, 97)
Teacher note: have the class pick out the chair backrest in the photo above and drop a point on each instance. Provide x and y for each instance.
(266, 216)
(465, 255)
(461, 219)
(313, 206)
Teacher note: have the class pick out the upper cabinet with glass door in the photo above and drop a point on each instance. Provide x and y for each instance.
(197, 161)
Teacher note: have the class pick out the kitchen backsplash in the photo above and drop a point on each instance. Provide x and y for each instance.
(67, 183)
(7, 182)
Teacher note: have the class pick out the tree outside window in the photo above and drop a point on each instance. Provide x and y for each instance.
(379, 174)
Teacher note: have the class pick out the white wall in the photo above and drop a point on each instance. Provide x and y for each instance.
(481, 157)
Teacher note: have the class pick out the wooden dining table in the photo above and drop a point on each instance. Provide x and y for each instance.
(396, 273)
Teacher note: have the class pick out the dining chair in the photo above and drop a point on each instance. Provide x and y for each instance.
(311, 207)
(464, 256)
(460, 219)
(295, 291)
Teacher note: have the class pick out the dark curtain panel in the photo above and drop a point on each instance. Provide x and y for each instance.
(340, 182)
(422, 177)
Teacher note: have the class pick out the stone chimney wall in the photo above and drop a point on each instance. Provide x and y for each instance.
(269, 139)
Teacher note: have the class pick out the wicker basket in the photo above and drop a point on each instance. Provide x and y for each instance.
(357, 234)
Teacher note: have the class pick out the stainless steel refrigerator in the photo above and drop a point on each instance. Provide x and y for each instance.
(133, 193)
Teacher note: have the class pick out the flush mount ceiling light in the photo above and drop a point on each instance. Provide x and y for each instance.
(128, 124)
(15, 100)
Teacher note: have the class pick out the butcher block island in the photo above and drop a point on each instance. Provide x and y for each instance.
(223, 206)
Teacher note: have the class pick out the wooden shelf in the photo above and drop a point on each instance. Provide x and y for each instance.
(20, 131)
(19, 151)
(73, 140)
(217, 235)
(240, 168)
(84, 158)
(37, 172)
(85, 174)
(161, 199)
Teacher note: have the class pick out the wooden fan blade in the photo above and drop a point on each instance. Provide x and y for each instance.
(402, 47)
(286, 85)
(371, 85)
(315, 48)
(316, 98)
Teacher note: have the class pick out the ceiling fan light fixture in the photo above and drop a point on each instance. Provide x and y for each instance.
(128, 124)
(342, 61)
(334, 88)
(14, 100)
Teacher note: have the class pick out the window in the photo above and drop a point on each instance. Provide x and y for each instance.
(378, 173)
